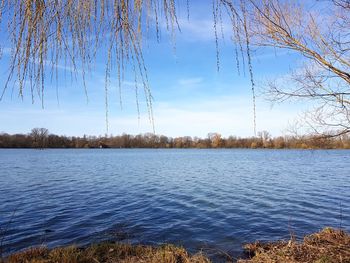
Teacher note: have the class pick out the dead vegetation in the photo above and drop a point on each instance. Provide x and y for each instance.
(107, 253)
(326, 246)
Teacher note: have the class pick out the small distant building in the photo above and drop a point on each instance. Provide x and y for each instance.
(103, 145)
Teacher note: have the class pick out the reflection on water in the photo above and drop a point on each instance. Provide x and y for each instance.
(211, 199)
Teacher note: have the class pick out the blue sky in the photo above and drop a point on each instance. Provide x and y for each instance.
(190, 96)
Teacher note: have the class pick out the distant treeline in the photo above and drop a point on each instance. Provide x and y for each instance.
(40, 138)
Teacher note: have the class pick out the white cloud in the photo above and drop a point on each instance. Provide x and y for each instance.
(227, 115)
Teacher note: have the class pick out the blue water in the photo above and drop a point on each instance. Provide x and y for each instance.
(202, 199)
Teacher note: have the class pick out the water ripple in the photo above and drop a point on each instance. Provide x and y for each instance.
(202, 199)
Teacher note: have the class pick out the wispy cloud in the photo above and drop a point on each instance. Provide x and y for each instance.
(197, 29)
(6, 51)
(69, 67)
(200, 28)
(190, 81)
(228, 115)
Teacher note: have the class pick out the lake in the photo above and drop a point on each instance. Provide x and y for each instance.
(202, 199)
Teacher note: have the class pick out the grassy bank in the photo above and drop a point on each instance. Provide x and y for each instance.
(107, 253)
(327, 246)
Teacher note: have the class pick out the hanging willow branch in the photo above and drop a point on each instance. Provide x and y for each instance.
(47, 35)
(237, 12)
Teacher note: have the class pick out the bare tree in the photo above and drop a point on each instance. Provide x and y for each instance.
(321, 36)
(39, 136)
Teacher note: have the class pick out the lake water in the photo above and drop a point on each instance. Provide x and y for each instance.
(202, 199)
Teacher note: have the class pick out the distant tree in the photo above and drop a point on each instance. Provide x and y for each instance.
(40, 137)
(215, 139)
(254, 145)
(279, 143)
(265, 138)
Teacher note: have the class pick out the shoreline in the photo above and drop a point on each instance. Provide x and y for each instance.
(327, 246)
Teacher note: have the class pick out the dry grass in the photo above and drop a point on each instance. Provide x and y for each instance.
(326, 246)
(107, 253)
